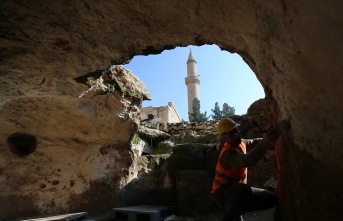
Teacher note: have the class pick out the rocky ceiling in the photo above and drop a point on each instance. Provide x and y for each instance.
(293, 46)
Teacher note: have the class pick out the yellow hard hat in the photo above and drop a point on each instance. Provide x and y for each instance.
(226, 125)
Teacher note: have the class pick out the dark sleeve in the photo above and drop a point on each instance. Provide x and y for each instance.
(233, 158)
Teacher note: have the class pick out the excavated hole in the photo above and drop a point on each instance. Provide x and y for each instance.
(22, 144)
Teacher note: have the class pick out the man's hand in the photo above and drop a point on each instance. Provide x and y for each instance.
(269, 138)
(273, 134)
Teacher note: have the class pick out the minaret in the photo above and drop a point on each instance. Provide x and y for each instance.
(192, 81)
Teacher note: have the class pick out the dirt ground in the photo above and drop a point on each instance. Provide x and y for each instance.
(265, 215)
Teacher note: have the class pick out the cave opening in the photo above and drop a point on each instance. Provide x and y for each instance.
(224, 78)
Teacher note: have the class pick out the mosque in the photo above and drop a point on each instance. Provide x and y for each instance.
(169, 114)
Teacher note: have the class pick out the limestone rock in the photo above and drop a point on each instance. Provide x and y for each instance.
(152, 136)
(187, 156)
(191, 136)
(194, 187)
(164, 147)
(270, 185)
(74, 137)
(112, 79)
(150, 182)
(129, 83)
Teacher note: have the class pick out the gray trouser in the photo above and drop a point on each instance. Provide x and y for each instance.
(239, 198)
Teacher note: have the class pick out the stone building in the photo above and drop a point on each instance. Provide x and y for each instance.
(162, 114)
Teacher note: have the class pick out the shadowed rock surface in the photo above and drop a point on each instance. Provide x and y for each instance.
(83, 145)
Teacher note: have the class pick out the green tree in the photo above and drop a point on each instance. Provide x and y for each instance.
(227, 111)
(197, 116)
(217, 114)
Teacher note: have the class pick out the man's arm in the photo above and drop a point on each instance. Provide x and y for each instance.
(234, 159)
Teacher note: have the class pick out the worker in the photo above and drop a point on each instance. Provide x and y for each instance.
(230, 190)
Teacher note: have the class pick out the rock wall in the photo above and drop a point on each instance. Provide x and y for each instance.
(80, 155)
(294, 48)
(75, 154)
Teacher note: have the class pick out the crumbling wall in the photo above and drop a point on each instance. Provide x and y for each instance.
(294, 48)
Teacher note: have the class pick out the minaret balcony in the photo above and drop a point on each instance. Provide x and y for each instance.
(192, 80)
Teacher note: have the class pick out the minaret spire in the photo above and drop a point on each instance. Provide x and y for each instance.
(190, 57)
(192, 81)
(191, 65)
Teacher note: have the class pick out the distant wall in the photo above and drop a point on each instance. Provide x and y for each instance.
(163, 114)
(246, 126)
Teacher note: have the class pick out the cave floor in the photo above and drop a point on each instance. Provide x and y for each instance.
(264, 215)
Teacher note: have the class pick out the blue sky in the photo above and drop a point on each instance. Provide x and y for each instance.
(224, 78)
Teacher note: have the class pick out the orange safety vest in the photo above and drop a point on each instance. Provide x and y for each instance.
(232, 175)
